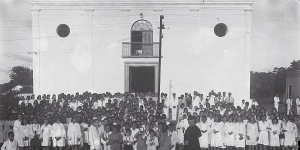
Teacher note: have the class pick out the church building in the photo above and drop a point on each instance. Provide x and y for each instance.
(113, 46)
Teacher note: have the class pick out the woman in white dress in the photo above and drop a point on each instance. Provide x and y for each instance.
(45, 135)
(58, 134)
(240, 134)
(74, 134)
(217, 132)
(229, 134)
(204, 127)
(252, 134)
(263, 133)
(290, 131)
(274, 134)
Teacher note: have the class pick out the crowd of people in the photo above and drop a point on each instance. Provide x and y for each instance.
(138, 121)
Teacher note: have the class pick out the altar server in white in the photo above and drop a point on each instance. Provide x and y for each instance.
(174, 105)
(94, 136)
(74, 134)
(45, 135)
(58, 134)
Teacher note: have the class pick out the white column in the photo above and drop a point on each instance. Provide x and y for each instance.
(247, 54)
(90, 37)
(36, 51)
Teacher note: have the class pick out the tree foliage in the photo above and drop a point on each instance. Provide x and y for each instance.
(267, 84)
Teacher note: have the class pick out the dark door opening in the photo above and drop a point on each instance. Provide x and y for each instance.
(141, 79)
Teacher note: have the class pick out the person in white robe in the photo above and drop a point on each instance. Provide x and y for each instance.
(276, 102)
(204, 128)
(166, 106)
(74, 134)
(174, 104)
(196, 100)
(290, 132)
(229, 136)
(274, 134)
(17, 129)
(94, 136)
(10, 144)
(25, 137)
(174, 136)
(58, 134)
(45, 135)
(298, 105)
(211, 99)
(252, 134)
(240, 134)
(263, 136)
(289, 103)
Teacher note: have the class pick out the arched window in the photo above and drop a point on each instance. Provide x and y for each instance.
(142, 38)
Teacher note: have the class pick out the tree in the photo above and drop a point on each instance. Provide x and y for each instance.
(21, 75)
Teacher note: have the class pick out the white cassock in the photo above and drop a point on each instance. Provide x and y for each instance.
(298, 106)
(46, 134)
(166, 107)
(174, 104)
(289, 104)
(74, 134)
(174, 138)
(18, 130)
(211, 100)
(276, 102)
(196, 101)
(94, 138)
(58, 130)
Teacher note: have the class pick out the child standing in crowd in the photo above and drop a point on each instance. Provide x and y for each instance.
(74, 134)
(115, 139)
(105, 137)
(263, 135)
(141, 140)
(204, 127)
(58, 135)
(128, 140)
(45, 135)
(152, 141)
(274, 134)
(240, 134)
(94, 136)
(10, 144)
(252, 133)
(85, 133)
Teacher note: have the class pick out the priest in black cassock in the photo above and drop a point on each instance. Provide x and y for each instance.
(191, 135)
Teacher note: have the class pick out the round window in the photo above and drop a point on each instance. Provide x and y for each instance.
(221, 29)
(63, 30)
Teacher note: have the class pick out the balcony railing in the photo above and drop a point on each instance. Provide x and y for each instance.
(140, 49)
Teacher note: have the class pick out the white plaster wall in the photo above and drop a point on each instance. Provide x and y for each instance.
(194, 58)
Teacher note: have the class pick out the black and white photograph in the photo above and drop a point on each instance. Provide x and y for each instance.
(149, 74)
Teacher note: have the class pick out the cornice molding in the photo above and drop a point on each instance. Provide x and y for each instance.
(138, 4)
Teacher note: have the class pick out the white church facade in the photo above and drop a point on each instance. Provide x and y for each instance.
(100, 46)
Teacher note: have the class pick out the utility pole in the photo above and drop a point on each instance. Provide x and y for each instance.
(161, 26)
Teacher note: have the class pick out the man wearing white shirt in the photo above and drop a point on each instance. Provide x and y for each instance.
(196, 100)
(276, 102)
(229, 99)
(211, 99)
(298, 105)
(289, 103)
(174, 104)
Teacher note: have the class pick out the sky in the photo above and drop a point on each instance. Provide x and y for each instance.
(275, 32)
